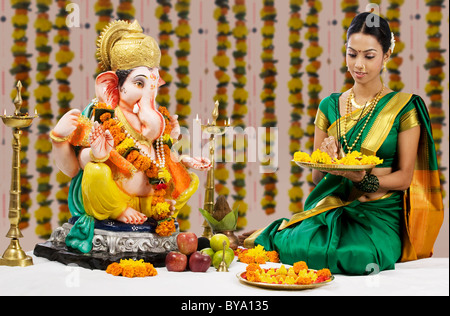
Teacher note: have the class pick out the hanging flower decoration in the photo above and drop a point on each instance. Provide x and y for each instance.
(104, 10)
(314, 88)
(268, 74)
(165, 43)
(240, 96)
(394, 63)
(20, 70)
(295, 86)
(222, 61)
(43, 95)
(183, 95)
(350, 9)
(434, 64)
(64, 96)
(126, 11)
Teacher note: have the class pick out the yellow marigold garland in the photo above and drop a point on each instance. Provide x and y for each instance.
(43, 95)
(434, 64)
(20, 70)
(393, 65)
(126, 10)
(295, 86)
(268, 96)
(350, 9)
(222, 61)
(313, 52)
(165, 43)
(240, 96)
(183, 95)
(64, 97)
(104, 10)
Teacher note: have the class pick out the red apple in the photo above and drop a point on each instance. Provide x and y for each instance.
(199, 262)
(176, 261)
(187, 243)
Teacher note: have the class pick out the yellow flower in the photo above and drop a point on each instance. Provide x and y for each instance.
(302, 157)
(164, 174)
(320, 157)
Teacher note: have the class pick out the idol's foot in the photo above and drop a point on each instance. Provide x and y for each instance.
(131, 216)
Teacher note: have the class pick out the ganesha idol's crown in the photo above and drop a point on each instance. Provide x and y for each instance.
(122, 45)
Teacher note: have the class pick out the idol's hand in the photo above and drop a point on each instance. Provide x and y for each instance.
(196, 163)
(330, 146)
(67, 124)
(101, 141)
(176, 130)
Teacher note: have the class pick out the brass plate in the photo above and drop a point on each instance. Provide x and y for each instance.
(331, 167)
(289, 287)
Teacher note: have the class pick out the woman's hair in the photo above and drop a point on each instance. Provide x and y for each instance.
(371, 24)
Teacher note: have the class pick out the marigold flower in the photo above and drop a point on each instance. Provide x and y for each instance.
(114, 269)
(301, 265)
(166, 228)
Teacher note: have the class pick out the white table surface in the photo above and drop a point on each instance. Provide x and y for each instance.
(423, 277)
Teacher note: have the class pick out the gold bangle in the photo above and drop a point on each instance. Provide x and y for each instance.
(58, 139)
(93, 159)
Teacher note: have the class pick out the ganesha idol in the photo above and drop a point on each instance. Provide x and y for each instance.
(127, 184)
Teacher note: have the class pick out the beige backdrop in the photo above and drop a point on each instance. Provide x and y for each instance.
(203, 86)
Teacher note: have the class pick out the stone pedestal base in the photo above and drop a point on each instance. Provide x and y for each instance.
(108, 247)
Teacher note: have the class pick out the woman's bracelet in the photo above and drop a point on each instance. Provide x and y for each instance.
(58, 139)
(369, 184)
(93, 159)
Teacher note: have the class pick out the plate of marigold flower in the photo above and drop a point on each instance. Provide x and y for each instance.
(354, 161)
(297, 277)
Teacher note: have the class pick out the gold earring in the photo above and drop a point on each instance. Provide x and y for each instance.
(385, 68)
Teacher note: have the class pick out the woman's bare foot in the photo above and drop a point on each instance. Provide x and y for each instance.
(131, 216)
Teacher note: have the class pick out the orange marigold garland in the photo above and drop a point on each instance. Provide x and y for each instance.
(126, 150)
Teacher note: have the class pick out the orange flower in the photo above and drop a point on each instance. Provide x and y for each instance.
(273, 256)
(166, 228)
(128, 271)
(105, 116)
(303, 281)
(326, 273)
(114, 269)
(301, 265)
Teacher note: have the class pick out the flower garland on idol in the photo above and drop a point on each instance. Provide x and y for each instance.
(295, 86)
(165, 43)
(394, 63)
(20, 70)
(350, 9)
(269, 120)
(314, 88)
(126, 11)
(434, 64)
(240, 96)
(43, 94)
(104, 10)
(222, 61)
(156, 170)
(63, 57)
(183, 95)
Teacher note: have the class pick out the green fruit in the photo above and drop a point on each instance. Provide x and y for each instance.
(217, 240)
(209, 252)
(218, 256)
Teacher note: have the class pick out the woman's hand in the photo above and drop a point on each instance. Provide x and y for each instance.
(354, 176)
(330, 146)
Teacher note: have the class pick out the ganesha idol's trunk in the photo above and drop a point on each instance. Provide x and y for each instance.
(153, 123)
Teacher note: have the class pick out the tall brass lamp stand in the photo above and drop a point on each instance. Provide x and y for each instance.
(14, 255)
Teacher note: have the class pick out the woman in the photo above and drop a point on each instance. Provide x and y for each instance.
(353, 220)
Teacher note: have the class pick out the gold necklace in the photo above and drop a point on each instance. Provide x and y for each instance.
(370, 110)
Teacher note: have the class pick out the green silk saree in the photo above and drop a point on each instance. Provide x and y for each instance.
(347, 236)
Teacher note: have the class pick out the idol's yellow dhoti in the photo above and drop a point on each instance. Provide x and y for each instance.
(103, 199)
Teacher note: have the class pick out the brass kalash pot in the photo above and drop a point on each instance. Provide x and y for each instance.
(14, 255)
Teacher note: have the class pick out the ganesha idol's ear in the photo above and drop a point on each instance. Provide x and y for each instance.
(107, 88)
(161, 82)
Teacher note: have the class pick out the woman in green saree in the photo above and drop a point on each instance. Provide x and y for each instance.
(356, 222)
